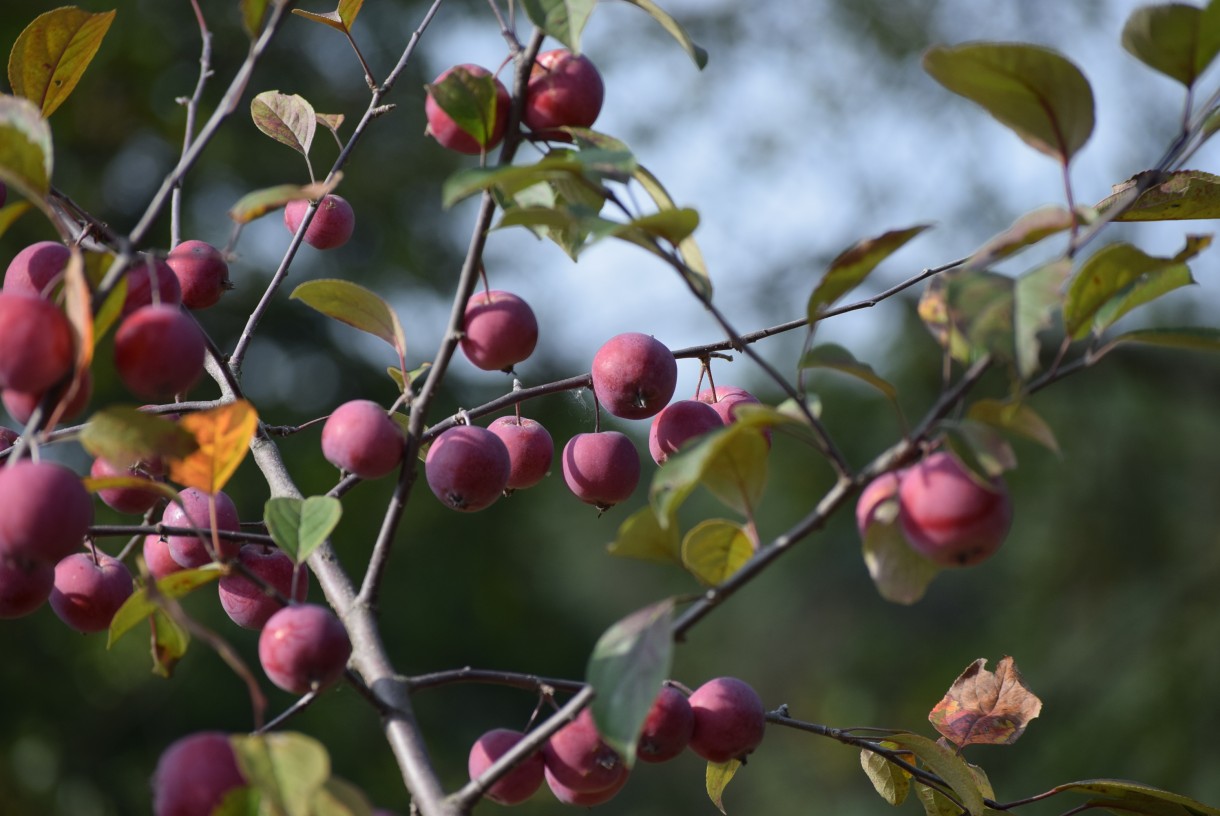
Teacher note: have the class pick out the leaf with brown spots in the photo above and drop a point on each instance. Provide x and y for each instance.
(985, 708)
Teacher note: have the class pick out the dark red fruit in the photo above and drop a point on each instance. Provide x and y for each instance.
(332, 225)
(194, 774)
(247, 603)
(602, 468)
(634, 375)
(303, 648)
(8, 438)
(158, 558)
(518, 784)
(446, 131)
(159, 352)
(467, 467)
(45, 512)
(499, 331)
(24, 586)
(949, 516)
(133, 500)
(729, 719)
(89, 589)
(140, 291)
(360, 438)
(585, 799)
(678, 423)
(36, 345)
(668, 727)
(21, 404)
(191, 510)
(564, 90)
(36, 267)
(202, 273)
(579, 760)
(530, 449)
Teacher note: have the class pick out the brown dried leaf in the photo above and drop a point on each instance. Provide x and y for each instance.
(982, 708)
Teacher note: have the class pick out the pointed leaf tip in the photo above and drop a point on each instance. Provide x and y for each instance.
(52, 53)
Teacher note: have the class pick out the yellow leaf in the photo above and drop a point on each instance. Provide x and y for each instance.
(223, 435)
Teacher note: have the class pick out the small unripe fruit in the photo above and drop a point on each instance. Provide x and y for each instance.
(360, 438)
(194, 774)
(667, 728)
(246, 602)
(499, 330)
(518, 784)
(89, 589)
(729, 719)
(634, 375)
(332, 225)
(602, 468)
(303, 647)
(678, 423)
(950, 517)
(202, 273)
(564, 90)
(159, 352)
(140, 285)
(191, 510)
(446, 131)
(467, 467)
(530, 449)
(24, 586)
(45, 512)
(36, 345)
(578, 758)
(34, 269)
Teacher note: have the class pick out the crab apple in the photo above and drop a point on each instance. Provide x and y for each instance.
(447, 132)
(601, 468)
(679, 423)
(667, 728)
(159, 352)
(21, 404)
(36, 345)
(133, 500)
(879, 490)
(89, 589)
(634, 375)
(729, 719)
(45, 511)
(467, 467)
(194, 774)
(530, 449)
(518, 784)
(157, 557)
(303, 647)
(564, 90)
(202, 273)
(500, 330)
(725, 398)
(246, 602)
(191, 510)
(578, 758)
(360, 438)
(140, 291)
(34, 268)
(586, 799)
(8, 437)
(948, 515)
(24, 586)
(332, 225)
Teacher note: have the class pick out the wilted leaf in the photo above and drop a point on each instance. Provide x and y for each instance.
(169, 642)
(260, 202)
(287, 768)
(970, 312)
(900, 574)
(25, 148)
(299, 526)
(123, 436)
(356, 306)
(1180, 196)
(1202, 338)
(1029, 229)
(628, 665)
(947, 765)
(143, 603)
(1119, 795)
(562, 19)
(715, 549)
(641, 536)
(982, 708)
(223, 435)
(698, 54)
(290, 120)
(718, 777)
(1167, 38)
(854, 264)
(1035, 91)
(52, 53)
(891, 782)
(1015, 417)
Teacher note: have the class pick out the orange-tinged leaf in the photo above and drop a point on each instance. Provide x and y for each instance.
(985, 708)
(223, 435)
(51, 55)
(78, 307)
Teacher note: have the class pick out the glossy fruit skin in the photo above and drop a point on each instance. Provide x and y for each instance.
(88, 592)
(158, 558)
(202, 273)
(140, 293)
(133, 500)
(601, 468)
(517, 785)
(45, 512)
(879, 490)
(467, 467)
(332, 225)
(634, 375)
(678, 423)
(191, 510)
(159, 352)
(36, 345)
(948, 516)
(360, 438)
(194, 774)
(577, 758)
(586, 799)
(564, 90)
(35, 267)
(667, 728)
(729, 719)
(530, 449)
(447, 133)
(24, 586)
(244, 601)
(499, 330)
(303, 647)
(21, 404)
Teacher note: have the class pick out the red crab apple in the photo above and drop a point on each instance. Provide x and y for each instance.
(158, 558)
(89, 589)
(530, 449)
(194, 774)
(467, 467)
(191, 510)
(729, 719)
(332, 225)
(21, 404)
(578, 759)
(45, 512)
(667, 728)
(499, 330)
(678, 423)
(159, 352)
(247, 603)
(360, 438)
(133, 500)
(564, 90)
(303, 647)
(36, 345)
(24, 586)
(601, 468)
(35, 267)
(518, 784)
(880, 490)
(634, 375)
(586, 799)
(446, 131)
(202, 273)
(948, 515)
(8, 437)
(140, 293)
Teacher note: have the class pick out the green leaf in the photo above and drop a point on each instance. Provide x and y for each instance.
(144, 601)
(900, 574)
(1034, 91)
(699, 55)
(169, 643)
(339, 798)
(717, 778)
(243, 801)
(947, 765)
(124, 436)
(562, 19)
(1167, 38)
(738, 474)
(290, 120)
(470, 101)
(299, 526)
(1202, 338)
(260, 202)
(1143, 290)
(854, 264)
(1135, 797)
(508, 180)
(1107, 273)
(354, 305)
(674, 226)
(715, 549)
(837, 358)
(934, 802)
(627, 667)
(287, 768)
(970, 312)
(981, 448)
(10, 213)
(696, 268)
(1016, 418)
(891, 782)
(1037, 296)
(52, 53)
(341, 19)
(642, 536)
(1182, 196)
(253, 12)
(25, 148)
(1026, 231)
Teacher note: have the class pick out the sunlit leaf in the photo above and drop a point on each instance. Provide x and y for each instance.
(1167, 38)
(697, 272)
(287, 768)
(947, 765)
(258, 203)
(93, 485)
(143, 602)
(1145, 289)
(642, 536)
(738, 474)
(717, 778)
(715, 549)
(1119, 795)
(900, 574)
(1107, 273)
(985, 708)
(123, 436)
(341, 19)
(25, 148)
(52, 53)
(356, 306)
(1035, 91)
(1015, 417)
(628, 665)
(1200, 338)
(562, 19)
(891, 782)
(1027, 230)
(854, 264)
(169, 641)
(223, 435)
(1181, 196)
(299, 526)
(289, 119)
(698, 54)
